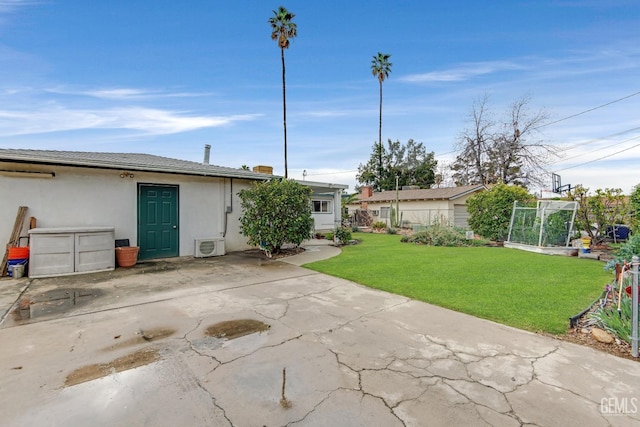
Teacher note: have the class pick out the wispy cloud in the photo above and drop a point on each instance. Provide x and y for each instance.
(462, 72)
(7, 6)
(124, 93)
(146, 120)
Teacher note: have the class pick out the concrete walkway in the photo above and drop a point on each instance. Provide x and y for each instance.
(143, 347)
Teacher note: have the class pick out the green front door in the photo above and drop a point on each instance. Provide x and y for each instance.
(157, 221)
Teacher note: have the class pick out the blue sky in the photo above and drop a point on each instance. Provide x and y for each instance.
(167, 77)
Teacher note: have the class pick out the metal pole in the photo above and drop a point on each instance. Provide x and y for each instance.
(397, 203)
(541, 228)
(635, 262)
(513, 214)
(573, 219)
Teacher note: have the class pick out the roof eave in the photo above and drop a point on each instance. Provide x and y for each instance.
(136, 167)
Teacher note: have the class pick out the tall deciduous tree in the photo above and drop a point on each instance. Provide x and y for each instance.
(282, 30)
(410, 164)
(380, 68)
(510, 151)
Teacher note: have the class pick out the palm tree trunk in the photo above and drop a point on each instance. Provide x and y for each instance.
(284, 114)
(380, 142)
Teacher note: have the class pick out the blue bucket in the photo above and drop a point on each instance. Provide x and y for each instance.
(13, 262)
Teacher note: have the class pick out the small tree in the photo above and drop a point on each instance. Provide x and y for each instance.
(276, 212)
(599, 211)
(634, 207)
(490, 211)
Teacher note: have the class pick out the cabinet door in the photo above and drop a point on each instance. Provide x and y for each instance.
(51, 254)
(94, 251)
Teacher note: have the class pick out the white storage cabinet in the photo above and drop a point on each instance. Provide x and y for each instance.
(70, 250)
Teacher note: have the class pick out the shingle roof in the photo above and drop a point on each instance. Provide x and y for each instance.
(447, 193)
(129, 161)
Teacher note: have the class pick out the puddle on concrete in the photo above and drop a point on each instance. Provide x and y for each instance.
(124, 363)
(141, 337)
(231, 329)
(54, 302)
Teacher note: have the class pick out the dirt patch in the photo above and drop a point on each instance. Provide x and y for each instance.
(232, 329)
(124, 363)
(141, 337)
(576, 336)
(283, 253)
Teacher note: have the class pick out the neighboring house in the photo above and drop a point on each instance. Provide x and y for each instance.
(160, 204)
(418, 206)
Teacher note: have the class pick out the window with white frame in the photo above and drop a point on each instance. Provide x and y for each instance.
(384, 212)
(322, 206)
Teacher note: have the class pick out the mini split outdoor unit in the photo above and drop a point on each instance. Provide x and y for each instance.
(209, 247)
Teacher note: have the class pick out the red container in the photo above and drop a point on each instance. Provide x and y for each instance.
(19, 253)
(127, 256)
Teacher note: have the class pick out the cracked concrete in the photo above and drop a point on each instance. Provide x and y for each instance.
(353, 357)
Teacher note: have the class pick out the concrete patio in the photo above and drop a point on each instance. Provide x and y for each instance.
(137, 347)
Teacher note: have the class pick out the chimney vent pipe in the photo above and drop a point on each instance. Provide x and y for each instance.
(207, 151)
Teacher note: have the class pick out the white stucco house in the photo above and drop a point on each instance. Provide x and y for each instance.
(326, 205)
(418, 207)
(160, 204)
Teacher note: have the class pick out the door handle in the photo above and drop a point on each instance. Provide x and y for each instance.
(175, 226)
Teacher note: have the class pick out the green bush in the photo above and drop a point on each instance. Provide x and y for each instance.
(490, 211)
(634, 202)
(437, 235)
(276, 212)
(392, 230)
(328, 236)
(627, 250)
(379, 225)
(343, 235)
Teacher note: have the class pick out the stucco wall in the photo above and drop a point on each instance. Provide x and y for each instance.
(418, 211)
(94, 197)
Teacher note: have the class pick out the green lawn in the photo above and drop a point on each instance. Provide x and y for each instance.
(521, 289)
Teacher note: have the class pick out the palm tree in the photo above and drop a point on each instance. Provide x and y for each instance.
(380, 68)
(283, 29)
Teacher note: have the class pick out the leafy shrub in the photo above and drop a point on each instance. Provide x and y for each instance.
(276, 212)
(379, 225)
(392, 230)
(627, 250)
(437, 235)
(343, 235)
(634, 202)
(490, 211)
(328, 236)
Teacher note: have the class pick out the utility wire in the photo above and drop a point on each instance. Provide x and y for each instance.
(588, 111)
(331, 173)
(582, 144)
(544, 125)
(596, 150)
(576, 115)
(598, 159)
